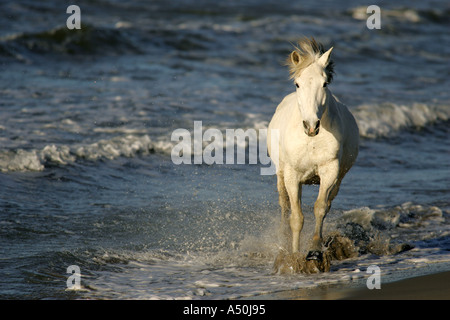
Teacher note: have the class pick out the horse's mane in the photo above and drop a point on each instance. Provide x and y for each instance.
(309, 51)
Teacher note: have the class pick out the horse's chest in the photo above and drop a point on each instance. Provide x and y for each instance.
(308, 154)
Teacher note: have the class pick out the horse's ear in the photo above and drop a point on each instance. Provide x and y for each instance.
(295, 57)
(325, 58)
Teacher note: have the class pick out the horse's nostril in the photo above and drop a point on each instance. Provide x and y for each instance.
(317, 124)
(305, 125)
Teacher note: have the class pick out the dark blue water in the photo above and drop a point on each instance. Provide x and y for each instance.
(86, 118)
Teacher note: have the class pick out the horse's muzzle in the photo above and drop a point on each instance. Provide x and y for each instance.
(311, 130)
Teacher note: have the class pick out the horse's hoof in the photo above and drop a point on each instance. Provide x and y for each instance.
(314, 255)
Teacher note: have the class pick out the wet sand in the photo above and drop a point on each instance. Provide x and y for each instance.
(427, 287)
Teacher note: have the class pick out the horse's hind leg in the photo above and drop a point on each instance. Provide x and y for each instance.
(283, 199)
(334, 192)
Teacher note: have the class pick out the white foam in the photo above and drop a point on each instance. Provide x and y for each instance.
(383, 120)
(35, 160)
(126, 146)
(362, 216)
(20, 160)
(374, 121)
(409, 15)
(406, 215)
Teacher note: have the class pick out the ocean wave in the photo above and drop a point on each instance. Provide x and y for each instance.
(421, 224)
(406, 215)
(92, 40)
(374, 121)
(132, 145)
(384, 120)
(404, 14)
(87, 40)
(37, 160)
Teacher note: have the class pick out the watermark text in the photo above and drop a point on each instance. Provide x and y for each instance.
(211, 146)
(374, 281)
(74, 20)
(373, 21)
(74, 280)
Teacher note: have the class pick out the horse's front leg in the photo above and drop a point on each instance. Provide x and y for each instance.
(283, 199)
(328, 181)
(294, 190)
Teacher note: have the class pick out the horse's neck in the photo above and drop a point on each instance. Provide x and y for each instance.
(330, 107)
(329, 112)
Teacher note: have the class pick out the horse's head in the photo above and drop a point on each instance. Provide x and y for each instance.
(311, 70)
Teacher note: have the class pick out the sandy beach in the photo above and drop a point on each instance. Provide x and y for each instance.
(427, 287)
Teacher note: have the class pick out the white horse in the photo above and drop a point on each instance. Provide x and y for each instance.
(317, 139)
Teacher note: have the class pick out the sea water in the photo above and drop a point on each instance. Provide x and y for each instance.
(86, 118)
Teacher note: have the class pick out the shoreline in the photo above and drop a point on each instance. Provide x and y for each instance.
(434, 286)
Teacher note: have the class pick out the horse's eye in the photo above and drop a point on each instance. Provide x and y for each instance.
(325, 84)
(296, 84)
